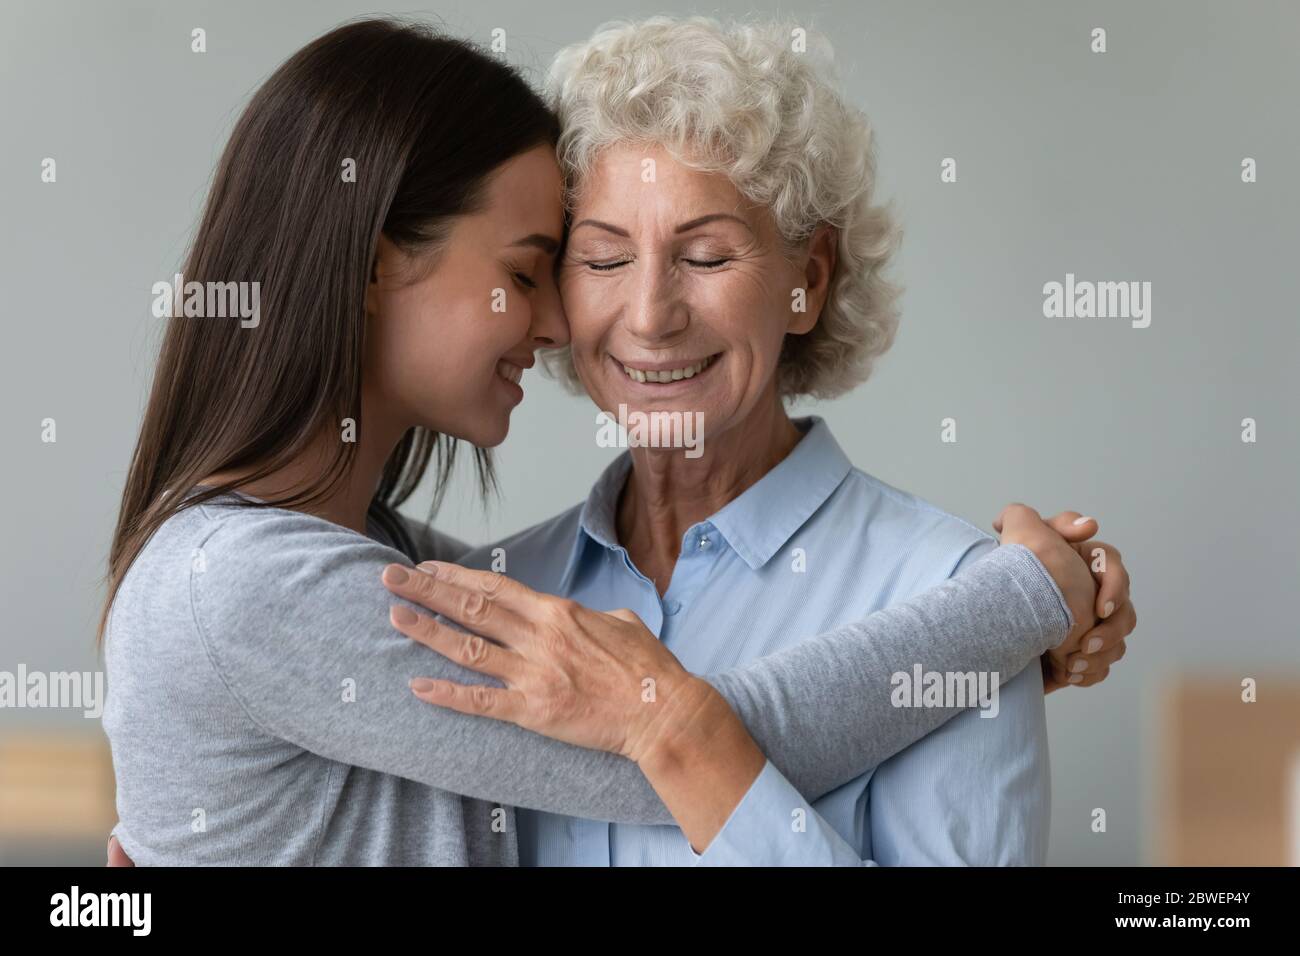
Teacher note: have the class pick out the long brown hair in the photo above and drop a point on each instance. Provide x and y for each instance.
(425, 118)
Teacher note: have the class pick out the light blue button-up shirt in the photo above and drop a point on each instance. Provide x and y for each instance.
(814, 544)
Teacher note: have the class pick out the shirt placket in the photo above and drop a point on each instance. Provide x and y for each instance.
(592, 836)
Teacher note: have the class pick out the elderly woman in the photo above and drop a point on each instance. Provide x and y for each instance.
(724, 256)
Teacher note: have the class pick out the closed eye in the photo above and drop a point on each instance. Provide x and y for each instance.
(706, 264)
(607, 266)
(526, 280)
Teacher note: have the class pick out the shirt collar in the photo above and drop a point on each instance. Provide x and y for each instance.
(758, 523)
(596, 520)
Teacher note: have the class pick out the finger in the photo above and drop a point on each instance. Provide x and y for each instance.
(1016, 516)
(1072, 526)
(623, 614)
(116, 855)
(467, 650)
(1085, 665)
(1055, 675)
(471, 608)
(503, 591)
(478, 700)
(1110, 574)
(1089, 678)
(1109, 632)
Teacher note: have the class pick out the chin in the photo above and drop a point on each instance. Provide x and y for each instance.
(487, 430)
(491, 434)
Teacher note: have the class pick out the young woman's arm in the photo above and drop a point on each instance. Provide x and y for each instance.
(820, 712)
(603, 681)
(289, 607)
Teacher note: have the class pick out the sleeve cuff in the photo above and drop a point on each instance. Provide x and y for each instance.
(1040, 590)
(774, 826)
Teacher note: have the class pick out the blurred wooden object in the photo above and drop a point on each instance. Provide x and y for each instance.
(55, 785)
(1229, 777)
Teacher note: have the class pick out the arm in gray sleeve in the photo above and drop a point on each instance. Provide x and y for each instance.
(291, 608)
(821, 710)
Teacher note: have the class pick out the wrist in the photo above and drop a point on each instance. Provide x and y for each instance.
(700, 759)
(692, 722)
(1064, 566)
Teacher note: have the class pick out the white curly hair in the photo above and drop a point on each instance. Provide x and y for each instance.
(740, 99)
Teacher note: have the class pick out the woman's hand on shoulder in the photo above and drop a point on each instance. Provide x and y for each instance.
(589, 678)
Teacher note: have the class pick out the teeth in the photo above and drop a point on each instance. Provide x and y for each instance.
(668, 374)
(509, 371)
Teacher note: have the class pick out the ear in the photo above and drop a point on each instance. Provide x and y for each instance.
(818, 270)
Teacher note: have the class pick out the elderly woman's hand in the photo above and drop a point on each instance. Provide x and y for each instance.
(1101, 625)
(557, 658)
(597, 680)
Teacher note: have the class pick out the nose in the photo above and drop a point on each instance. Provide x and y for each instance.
(654, 310)
(550, 326)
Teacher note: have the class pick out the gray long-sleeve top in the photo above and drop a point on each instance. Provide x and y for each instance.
(259, 713)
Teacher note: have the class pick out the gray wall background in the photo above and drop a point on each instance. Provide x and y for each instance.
(1115, 166)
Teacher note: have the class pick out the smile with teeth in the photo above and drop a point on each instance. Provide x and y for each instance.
(509, 371)
(668, 374)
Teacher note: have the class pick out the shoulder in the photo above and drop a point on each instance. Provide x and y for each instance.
(537, 555)
(279, 550)
(151, 607)
(909, 525)
(242, 541)
(432, 544)
(257, 572)
(240, 583)
(248, 599)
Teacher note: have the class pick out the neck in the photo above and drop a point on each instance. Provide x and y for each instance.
(666, 492)
(349, 501)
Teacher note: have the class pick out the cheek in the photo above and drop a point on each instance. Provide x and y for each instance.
(394, 335)
(437, 347)
(587, 302)
(744, 313)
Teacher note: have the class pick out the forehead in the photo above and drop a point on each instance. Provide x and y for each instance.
(629, 177)
(524, 195)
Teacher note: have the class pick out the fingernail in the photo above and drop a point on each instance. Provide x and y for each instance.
(1079, 665)
(403, 615)
(1075, 679)
(1110, 606)
(1094, 645)
(421, 685)
(1083, 520)
(395, 574)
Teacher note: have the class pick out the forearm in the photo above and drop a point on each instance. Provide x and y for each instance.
(701, 762)
(819, 710)
(822, 712)
(823, 708)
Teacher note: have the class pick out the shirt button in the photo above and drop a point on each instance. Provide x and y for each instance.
(704, 542)
(672, 607)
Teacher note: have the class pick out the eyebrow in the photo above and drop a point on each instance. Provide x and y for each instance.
(702, 220)
(602, 225)
(684, 227)
(548, 244)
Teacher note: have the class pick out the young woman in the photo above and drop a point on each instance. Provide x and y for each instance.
(386, 188)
